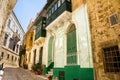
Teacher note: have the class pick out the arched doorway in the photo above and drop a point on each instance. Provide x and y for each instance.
(71, 46)
(50, 50)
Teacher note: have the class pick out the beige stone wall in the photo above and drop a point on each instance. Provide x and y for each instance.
(102, 34)
(8, 62)
(6, 7)
(76, 4)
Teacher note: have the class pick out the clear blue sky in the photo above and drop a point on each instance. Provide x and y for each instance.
(26, 10)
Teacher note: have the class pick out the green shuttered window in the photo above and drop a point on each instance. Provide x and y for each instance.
(71, 46)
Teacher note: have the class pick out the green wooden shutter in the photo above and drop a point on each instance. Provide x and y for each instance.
(71, 47)
(74, 46)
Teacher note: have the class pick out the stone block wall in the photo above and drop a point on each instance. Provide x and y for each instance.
(102, 34)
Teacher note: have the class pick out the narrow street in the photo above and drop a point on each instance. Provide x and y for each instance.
(20, 74)
(59, 39)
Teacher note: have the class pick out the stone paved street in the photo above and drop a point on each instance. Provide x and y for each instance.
(20, 74)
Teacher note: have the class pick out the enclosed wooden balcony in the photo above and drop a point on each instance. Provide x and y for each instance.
(40, 28)
(56, 9)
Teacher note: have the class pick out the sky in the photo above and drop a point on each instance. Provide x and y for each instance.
(26, 10)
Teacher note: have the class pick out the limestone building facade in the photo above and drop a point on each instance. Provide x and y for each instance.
(81, 42)
(6, 7)
(104, 19)
(29, 40)
(34, 39)
(11, 41)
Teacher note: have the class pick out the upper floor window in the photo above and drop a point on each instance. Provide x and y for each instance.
(59, 3)
(63, 1)
(17, 31)
(113, 19)
(2, 54)
(49, 13)
(8, 56)
(5, 40)
(111, 59)
(11, 42)
(9, 22)
(12, 58)
(53, 9)
(56, 6)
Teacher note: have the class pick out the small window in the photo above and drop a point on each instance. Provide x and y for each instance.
(49, 13)
(111, 59)
(113, 19)
(5, 40)
(17, 31)
(8, 56)
(56, 6)
(53, 9)
(9, 22)
(2, 55)
(12, 58)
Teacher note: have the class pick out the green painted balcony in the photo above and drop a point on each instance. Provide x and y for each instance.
(40, 33)
(40, 28)
(56, 9)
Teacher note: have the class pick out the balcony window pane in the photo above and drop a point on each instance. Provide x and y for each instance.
(9, 22)
(53, 9)
(12, 58)
(59, 3)
(2, 54)
(5, 39)
(56, 6)
(49, 13)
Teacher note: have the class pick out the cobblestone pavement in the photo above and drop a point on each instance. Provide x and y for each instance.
(20, 74)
